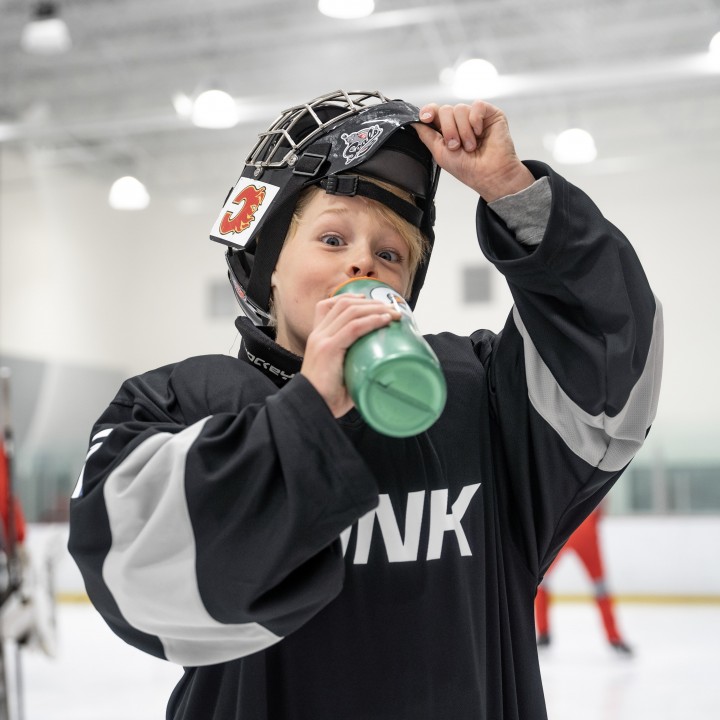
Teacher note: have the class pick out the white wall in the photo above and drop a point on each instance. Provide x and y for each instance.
(82, 283)
(660, 557)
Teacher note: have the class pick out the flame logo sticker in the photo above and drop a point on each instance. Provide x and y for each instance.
(248, 202)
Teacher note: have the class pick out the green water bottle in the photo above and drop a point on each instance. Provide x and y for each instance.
(392, 374)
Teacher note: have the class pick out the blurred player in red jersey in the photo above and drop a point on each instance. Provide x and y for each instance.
(585, 543)
(27, 601)
(16, 532)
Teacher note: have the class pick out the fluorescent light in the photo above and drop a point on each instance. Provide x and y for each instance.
(45, 33)
(714, 47)
(574, 146)
(215, 109)
(7, 132)
(346, 9)
(128, 193)
(183, 104)
(475, 78)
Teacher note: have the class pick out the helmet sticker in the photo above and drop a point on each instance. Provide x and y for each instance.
(358, 143)
(246, 204)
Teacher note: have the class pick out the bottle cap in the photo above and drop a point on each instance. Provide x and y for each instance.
(403, 397)
(342, 287)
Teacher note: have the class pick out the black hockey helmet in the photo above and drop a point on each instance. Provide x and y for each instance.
(321, 143)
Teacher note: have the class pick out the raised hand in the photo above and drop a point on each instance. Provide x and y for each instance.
(473, 143)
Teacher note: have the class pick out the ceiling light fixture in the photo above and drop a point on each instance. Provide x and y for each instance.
(474, 78)
(46, 33)
(346, 9)
(183, 104)
(128, 193)
(214, 109)
(714, 47)
(574, 146)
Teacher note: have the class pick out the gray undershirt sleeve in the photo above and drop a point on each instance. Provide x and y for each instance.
(526, 213)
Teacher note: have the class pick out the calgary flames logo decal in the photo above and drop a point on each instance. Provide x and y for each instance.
(248, 201)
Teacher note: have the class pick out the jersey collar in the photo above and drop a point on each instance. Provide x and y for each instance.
(258, 347)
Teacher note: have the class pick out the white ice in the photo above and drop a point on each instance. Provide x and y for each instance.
(674, 674)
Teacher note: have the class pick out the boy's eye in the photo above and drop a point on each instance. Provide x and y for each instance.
(389, 255)
(332, 240)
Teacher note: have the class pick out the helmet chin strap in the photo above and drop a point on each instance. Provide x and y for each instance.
(267, 252)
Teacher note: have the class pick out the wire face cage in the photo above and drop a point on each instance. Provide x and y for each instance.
(277, 148)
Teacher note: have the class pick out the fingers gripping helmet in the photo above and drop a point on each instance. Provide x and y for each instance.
(331, 141)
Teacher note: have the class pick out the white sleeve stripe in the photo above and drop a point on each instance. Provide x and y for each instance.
(77, 492)
(150, 568)
(102, 434)
(93, 449)
(608, 443)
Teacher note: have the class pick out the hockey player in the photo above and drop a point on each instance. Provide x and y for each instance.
(239, 518)
(585, 543)
(27, 603)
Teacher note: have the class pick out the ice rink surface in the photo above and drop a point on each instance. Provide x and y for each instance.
(673, 675)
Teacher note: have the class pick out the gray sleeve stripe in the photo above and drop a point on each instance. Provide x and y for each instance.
(608, 443)
(150, 568)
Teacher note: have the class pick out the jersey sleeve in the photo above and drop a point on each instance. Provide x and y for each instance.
(575, 373)
(206, 537)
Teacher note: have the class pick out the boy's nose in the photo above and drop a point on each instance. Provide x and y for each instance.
(362, 264)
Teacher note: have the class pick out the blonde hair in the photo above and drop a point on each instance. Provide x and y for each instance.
(416, 242)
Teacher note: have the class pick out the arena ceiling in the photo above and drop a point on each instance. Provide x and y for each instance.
(637, 73)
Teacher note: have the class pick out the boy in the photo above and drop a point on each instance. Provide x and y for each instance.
(238, 517)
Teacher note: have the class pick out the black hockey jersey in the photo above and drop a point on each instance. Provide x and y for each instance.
(306, 568)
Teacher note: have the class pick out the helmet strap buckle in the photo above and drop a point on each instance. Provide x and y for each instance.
(309, 163)
(341, 185)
